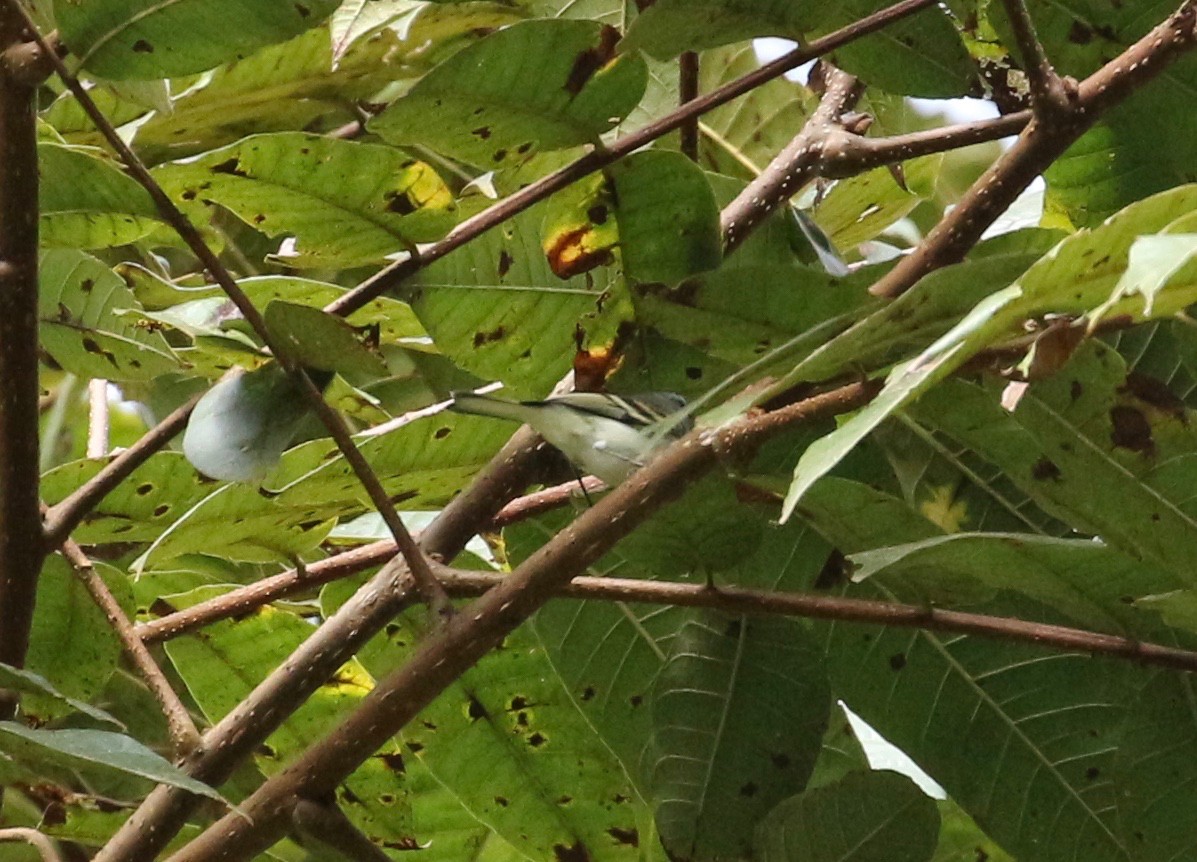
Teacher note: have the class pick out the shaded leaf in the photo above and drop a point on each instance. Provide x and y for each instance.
(537, 85)
(122, 39)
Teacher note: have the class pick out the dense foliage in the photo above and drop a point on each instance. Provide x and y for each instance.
(1025, 451)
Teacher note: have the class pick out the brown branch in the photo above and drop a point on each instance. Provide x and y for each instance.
(793, 167)
(737, 600)
(345, 564)
(21, 555)
(456, 646)
(846, 154)
(687, 91)
(191, 236)
(1037, 147)
(184, 735)
(542, 188)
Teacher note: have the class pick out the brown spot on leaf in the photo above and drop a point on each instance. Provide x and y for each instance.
(1080, 33)
(628, 837)
(442, 433)
(1131, 430)
(587, 693)
(502, 801)
(573, 853)
(834, 571)
(733, 629)
(1156, 393)
(400, 203)
(1045, 469)
(598, 214)
(591, 60)
(141, 46)
(897, 661)
(393, 762)
(505, 262)
(496, 334)
(749, 789)
(229, 166)
(482, 132)
(536, 740)
(568, 255)
(780, 760)
(693, 372)
(475, 710)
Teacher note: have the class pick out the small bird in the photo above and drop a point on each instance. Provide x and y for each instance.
(607, 435)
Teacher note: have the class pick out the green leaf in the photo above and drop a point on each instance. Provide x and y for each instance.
(1080, 275)
(91, 748)
(346, 203)
(316, 339)
(738, 712)
(123, 39)
(920, 55)
(537, 85)
(72, 641)
(863, 817)
(21, 680)
(669, 27)
(668, 219)
(1080, 578)
(86, 202)
(85, 312)
(497, 310)
(1077, 434)
(1022, 738)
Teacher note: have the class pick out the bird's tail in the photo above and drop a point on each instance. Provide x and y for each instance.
(485, 405)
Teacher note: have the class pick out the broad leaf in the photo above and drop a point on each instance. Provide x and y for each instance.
(538, 85)
(123, 39)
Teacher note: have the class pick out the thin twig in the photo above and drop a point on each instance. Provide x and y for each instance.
(1037, 147)
(191, 236)
(793, 167)
(687, 91)
(1050, 94)
(42, 843)
(184, 736)
(460, 583)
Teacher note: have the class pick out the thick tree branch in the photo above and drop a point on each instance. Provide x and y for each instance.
(21, 554)
(1037, 147)
(456, 646)
(792, 168)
